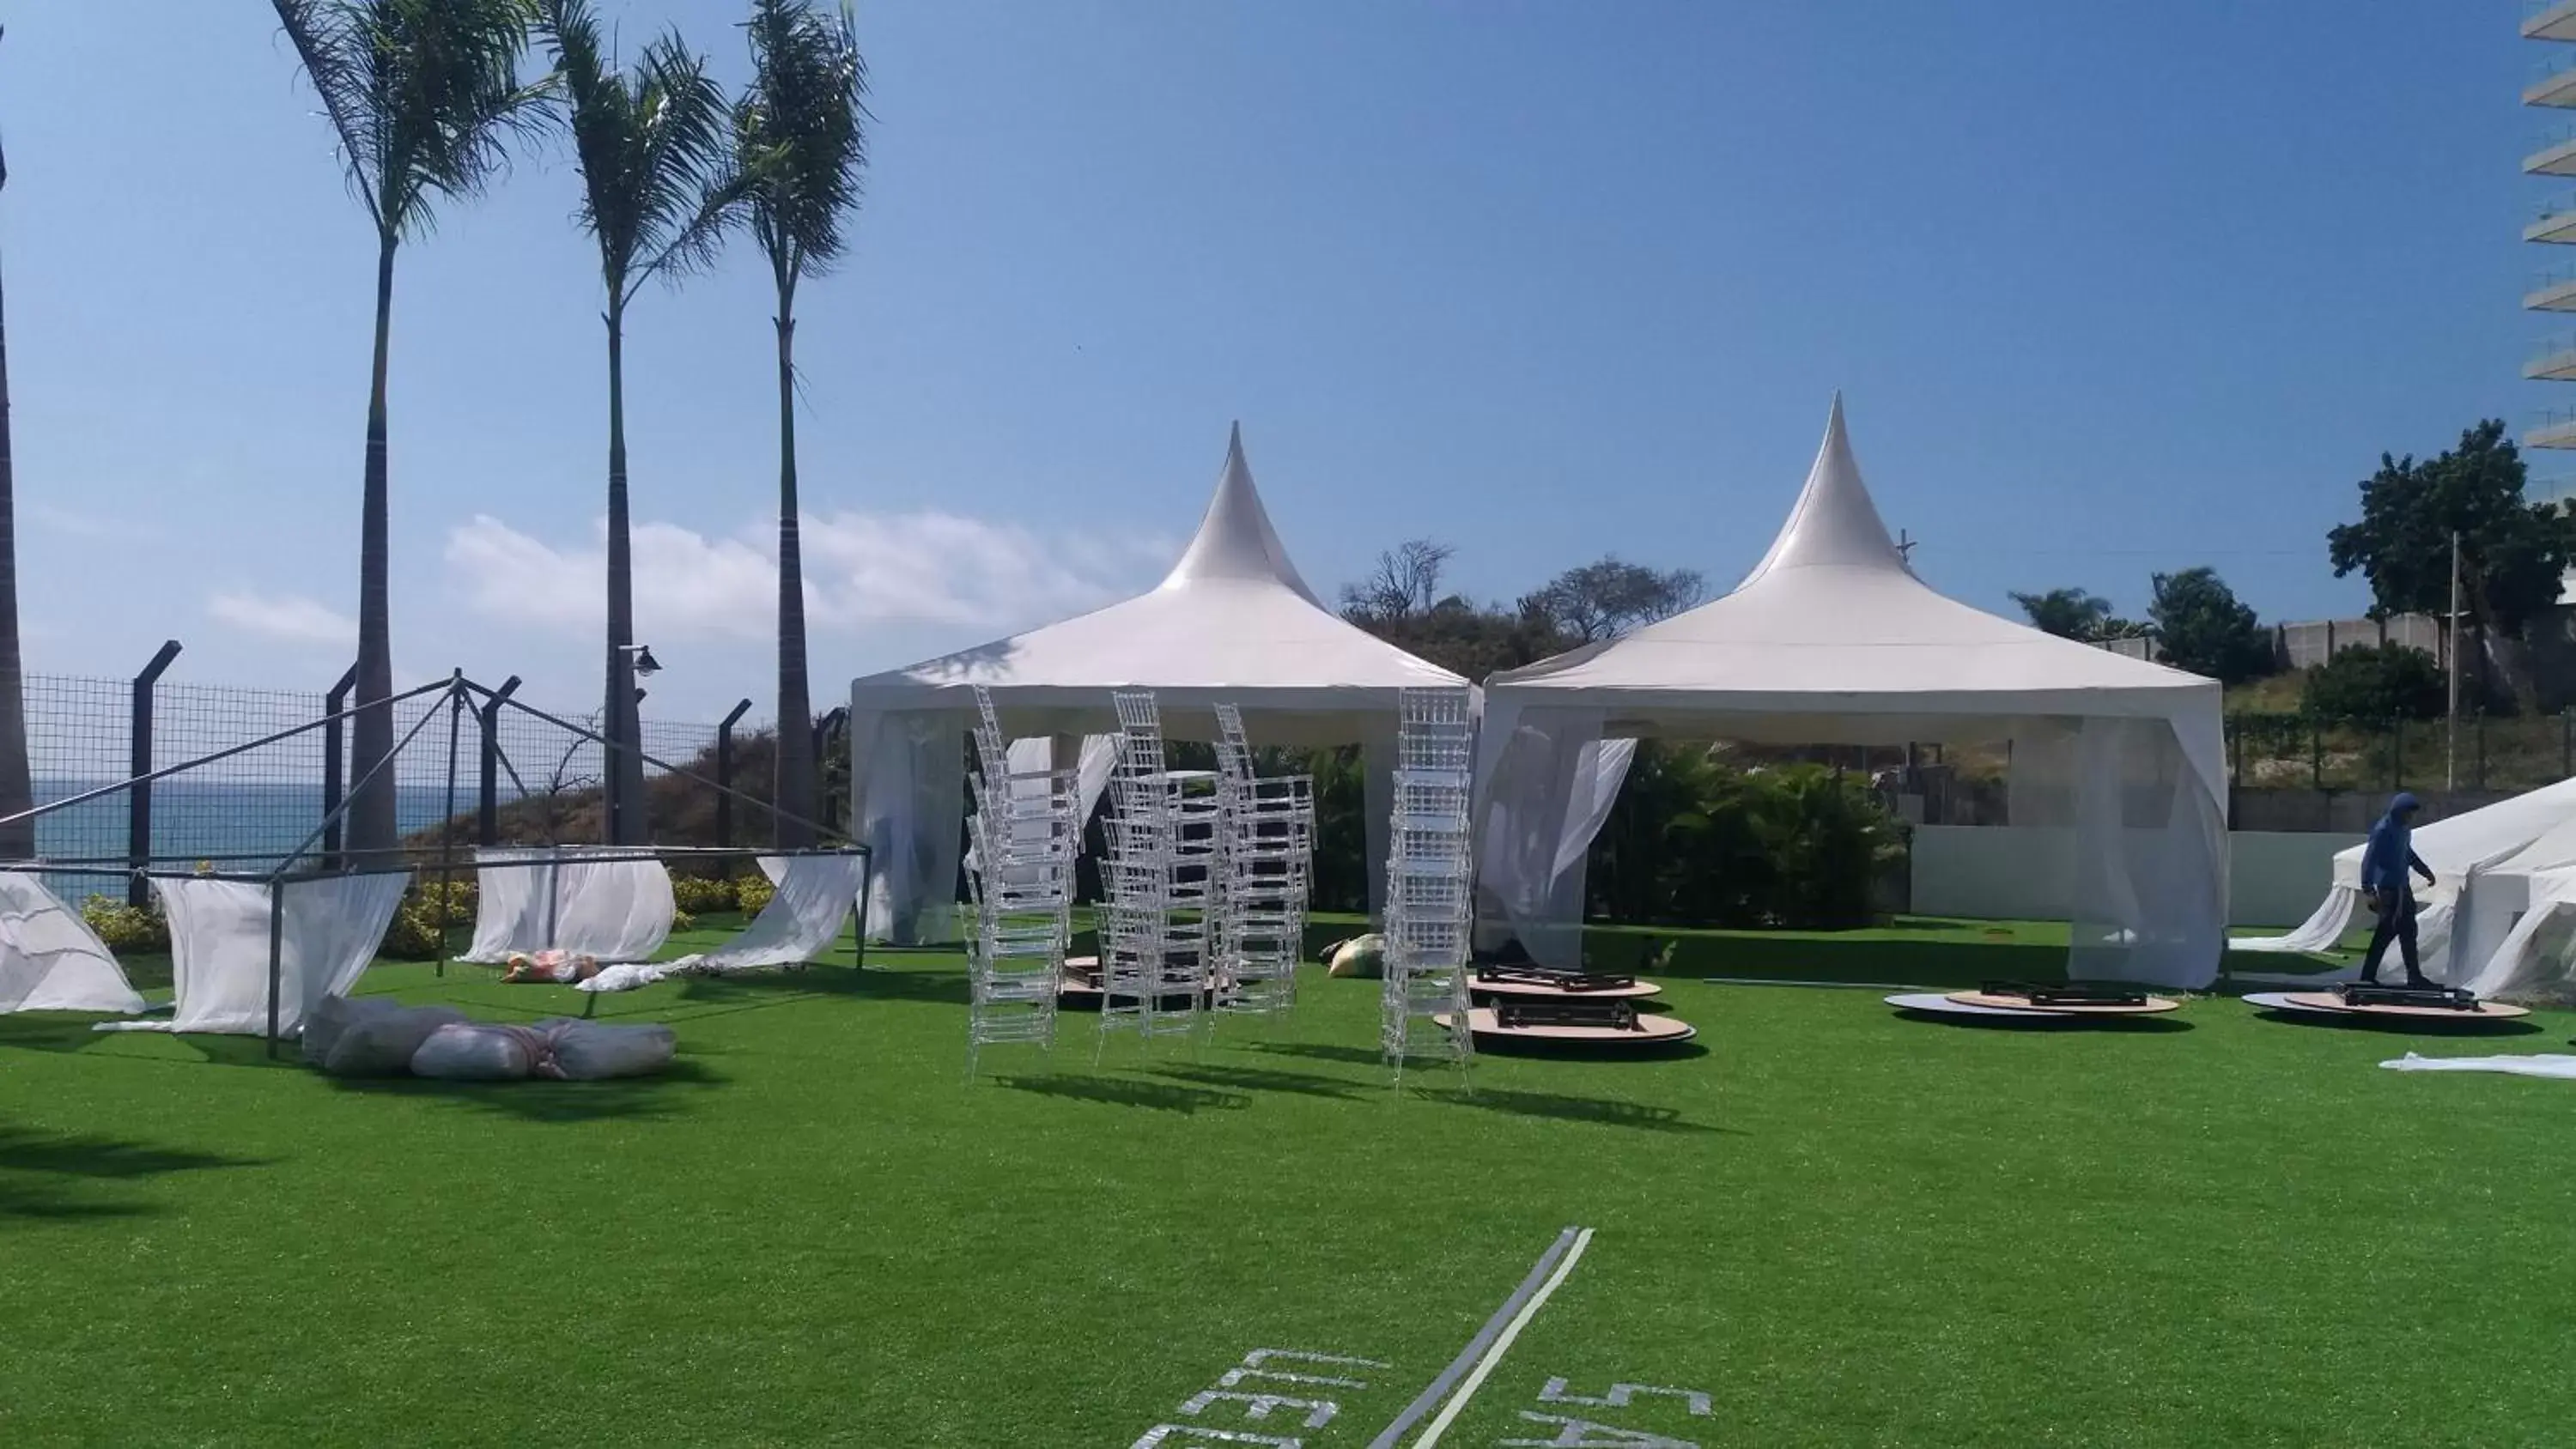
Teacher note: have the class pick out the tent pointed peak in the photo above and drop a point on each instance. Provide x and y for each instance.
(1834, 522)
(1235, 541)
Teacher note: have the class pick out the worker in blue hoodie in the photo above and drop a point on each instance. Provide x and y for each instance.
(2388, 867)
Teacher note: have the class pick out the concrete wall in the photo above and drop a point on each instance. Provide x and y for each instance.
(2023, 873)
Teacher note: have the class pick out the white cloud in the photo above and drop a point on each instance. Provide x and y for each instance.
(862, 570)
(289, 617)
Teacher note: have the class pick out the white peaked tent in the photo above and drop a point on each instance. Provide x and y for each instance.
(1832, 640)
(1232, 624)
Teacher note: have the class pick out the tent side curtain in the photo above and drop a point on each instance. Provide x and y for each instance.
(50, 960)
(554, 898)
(329, 929)
(2146, 847)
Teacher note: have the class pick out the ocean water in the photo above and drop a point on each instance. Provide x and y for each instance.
(203, 819)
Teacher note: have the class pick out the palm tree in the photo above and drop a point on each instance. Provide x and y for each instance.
(801, 137)
(653, 152)
(17, 791)
(423, 95)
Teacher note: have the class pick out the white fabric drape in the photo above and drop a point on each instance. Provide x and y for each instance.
(2542, 1065)
(2148, 848)
(815, 898)
(911, 811)
(557, 898)
(2321, 931)
(1547, 786)
(50, 960)
(329, 928)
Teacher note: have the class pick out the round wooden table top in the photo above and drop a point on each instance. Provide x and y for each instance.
(2328, 1001)
(1540, 991)
(1651, 1030)
(2149, 1007)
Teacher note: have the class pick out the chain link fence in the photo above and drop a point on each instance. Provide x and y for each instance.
(2488, 753)
(259, 804)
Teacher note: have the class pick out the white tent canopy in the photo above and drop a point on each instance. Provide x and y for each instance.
(2483, 861)
(1833, 640)
(1232, 624)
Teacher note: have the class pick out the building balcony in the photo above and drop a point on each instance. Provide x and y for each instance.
(2549, 20)
(2555, 222)
(2553, 291)
(2556, 156)
(2554, 362)
(2556, 429)
(2555, 83)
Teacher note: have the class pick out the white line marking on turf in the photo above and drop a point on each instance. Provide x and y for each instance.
(1502, 1345)
(1484, 1338)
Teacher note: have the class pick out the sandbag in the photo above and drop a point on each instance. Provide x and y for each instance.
(378, 1038)
(586, 1051)
(465, 1051)
(1363, 957)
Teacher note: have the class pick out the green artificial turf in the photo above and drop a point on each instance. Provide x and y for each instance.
(1845, 1227)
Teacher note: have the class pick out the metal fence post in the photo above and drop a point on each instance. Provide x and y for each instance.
(333, 756)
(2397, 753)
(487, 803)
(138, 800)
(2316, 753)
(2567, 742)
(2479, 779)
(833, 720)
(724, 774)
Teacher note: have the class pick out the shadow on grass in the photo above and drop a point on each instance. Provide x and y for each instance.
(1121, 1092)
(35, 1168)
(1260, 1079)
(46, 1031)
(2134, 1025)
(1555, 1107)
(623, 1099)
(2428, 1026)
(1322, 1052)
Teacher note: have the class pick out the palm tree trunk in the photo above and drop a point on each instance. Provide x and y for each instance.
(17, 793)
(623, 775)
(371, 734)
(796, 800)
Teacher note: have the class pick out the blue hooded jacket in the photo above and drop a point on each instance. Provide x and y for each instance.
(2391, 851)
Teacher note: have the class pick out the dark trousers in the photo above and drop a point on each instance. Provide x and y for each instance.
(2397, 923)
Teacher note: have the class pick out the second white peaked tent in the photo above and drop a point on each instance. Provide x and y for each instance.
(1232, 624)
(1833, 640)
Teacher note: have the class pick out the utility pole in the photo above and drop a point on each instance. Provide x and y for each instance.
(2451, 633)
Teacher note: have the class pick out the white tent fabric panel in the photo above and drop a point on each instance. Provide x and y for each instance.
(1832, 640)
(556, 898)
(50, 960)
(329, 928)
(816, 897)
(1233, 623)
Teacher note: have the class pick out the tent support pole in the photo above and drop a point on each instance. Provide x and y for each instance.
(276, 940)
(447, 822)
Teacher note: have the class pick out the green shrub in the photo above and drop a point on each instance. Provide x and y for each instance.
(1694, 842)
(752, 892)
(415, 934)
(121, 927)
(700, 895)
(2377, 682)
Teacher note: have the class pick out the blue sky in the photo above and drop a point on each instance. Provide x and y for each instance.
(2109, 291)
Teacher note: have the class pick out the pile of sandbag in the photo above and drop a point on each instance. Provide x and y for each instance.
(376, 1037)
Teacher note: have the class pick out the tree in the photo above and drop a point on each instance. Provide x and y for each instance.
(2203, 628)
(1405, 582)
(1606, 599)
(2375, 682)
(656, 185)
(2067, 613)
(2512, 552)
(801, 143)
(423, 95)
(17, 790)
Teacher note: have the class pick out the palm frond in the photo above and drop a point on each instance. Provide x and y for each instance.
(652, 149)
(801, 132)
(423, 94)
